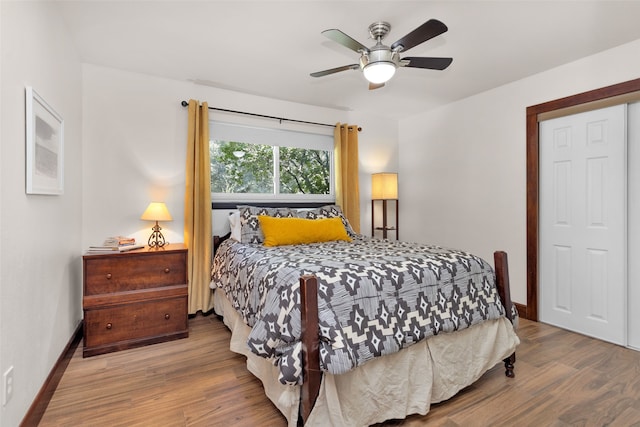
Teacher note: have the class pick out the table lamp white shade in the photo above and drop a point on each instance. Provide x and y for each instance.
(384, 186)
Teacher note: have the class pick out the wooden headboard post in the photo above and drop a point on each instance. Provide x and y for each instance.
(217, 240)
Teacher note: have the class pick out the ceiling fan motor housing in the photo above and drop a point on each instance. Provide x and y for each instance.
(379, 53)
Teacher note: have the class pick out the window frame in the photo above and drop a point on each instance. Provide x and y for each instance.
(230, 131)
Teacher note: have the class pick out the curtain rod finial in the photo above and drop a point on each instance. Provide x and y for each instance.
(184, 103)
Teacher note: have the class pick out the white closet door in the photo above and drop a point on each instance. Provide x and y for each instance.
(583, 223)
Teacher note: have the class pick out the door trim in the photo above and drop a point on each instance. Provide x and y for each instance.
(585, 101)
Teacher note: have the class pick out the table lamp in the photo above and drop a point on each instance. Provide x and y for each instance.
(156, 211)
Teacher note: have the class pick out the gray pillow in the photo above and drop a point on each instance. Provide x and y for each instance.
(328, 211)
(250, 226)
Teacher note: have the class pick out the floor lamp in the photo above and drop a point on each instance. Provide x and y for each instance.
(384, 186)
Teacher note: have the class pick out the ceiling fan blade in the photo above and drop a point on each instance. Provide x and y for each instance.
(335, 70)
(345, 40)
(430, 63)
(373, 86)
(424, 32)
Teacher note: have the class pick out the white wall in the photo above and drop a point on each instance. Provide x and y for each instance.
(464, 164)
(135, 133)
(40, 265)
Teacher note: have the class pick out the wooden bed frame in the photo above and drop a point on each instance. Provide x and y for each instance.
(312, 373)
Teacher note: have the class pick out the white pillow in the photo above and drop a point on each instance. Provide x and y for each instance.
(236, 227)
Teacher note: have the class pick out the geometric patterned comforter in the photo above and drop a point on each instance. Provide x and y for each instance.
(374, 297)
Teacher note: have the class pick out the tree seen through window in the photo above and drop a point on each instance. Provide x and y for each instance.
(239, 167)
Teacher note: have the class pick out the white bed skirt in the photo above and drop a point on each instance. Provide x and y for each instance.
(391, 387)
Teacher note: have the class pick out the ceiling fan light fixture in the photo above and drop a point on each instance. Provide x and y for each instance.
(379, 72)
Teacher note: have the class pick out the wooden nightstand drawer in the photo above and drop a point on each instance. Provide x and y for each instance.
(115, 273)
(145, 322)
(134, 298)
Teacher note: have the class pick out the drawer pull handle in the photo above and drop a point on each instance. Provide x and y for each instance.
(166, 270)
(108, 276)
(109, 326)
(167, 316)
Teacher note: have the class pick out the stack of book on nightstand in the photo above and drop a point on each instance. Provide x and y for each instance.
(116, 244)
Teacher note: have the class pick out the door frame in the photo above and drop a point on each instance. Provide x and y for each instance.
(585, 101)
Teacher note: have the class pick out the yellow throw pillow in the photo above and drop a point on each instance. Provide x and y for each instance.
(295, 231)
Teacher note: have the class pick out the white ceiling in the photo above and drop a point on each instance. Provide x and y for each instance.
(269, 47)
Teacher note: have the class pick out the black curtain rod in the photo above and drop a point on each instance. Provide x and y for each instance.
(281, 119)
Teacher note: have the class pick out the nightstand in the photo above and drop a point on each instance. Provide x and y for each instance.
(134, 298)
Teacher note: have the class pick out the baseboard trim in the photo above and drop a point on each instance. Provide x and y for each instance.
(522, 310)
(40, 403)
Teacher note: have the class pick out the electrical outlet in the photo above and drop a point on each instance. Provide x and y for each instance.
(7, 381)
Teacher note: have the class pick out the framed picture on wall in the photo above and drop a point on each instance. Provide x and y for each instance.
(45, 146)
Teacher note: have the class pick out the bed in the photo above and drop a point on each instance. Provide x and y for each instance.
(343, 329)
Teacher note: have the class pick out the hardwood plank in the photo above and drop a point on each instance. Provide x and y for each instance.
(562, 379)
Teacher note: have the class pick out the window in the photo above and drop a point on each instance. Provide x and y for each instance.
(262, 164)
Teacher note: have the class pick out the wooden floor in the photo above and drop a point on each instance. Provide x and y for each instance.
(562, 379)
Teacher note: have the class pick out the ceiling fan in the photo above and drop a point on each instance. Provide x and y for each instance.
(379, 63)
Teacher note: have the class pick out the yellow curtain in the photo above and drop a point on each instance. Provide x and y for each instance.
(346, 169)
(197, 208)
